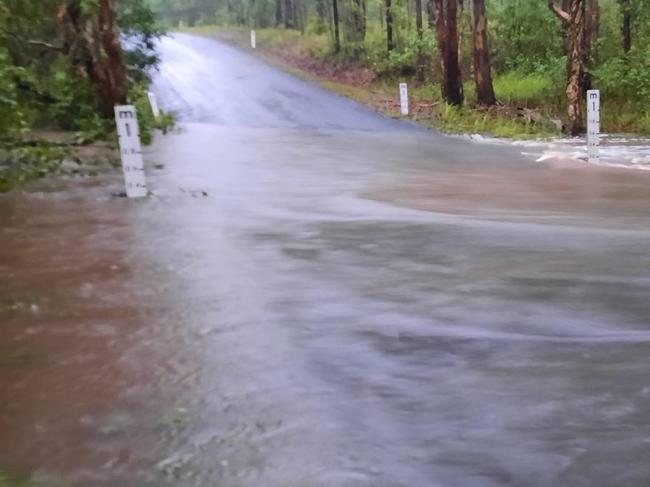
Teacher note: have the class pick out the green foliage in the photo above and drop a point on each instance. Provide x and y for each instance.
(148, 123)
(21, 164)
(543, 88)
(138, 24)
(525, 35)
(626, 78)
(41, 85)
(403, 60)
(12, 118)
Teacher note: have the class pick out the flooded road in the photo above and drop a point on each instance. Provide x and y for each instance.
(306, 303)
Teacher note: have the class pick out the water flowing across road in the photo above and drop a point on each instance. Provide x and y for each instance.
(316, 295)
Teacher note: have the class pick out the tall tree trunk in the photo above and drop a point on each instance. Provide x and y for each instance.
(574, 20)
(288, 14)
(481, 54)
(389, 26)
(295, 14)
(431, 19)
(461, 30)
(447, 37)
(592, 27)
(337, 37)
(115, 83)
(627, 25)
(418, 26)
(278, 12)
(358, 21)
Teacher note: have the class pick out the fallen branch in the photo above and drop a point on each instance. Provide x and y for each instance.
(46, 45)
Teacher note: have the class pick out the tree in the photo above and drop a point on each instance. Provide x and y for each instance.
(573, 19)
(89, 35)
(626, 28)
(278, 12)
(447, 37)
(288, 14)
(419, 69)
(431, 20)
(357, 14)
(337, 36)
(389, 26)
(481, 55)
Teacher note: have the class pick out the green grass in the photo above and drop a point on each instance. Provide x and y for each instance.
(531, 91)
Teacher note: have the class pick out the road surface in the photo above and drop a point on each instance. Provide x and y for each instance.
(319, 296)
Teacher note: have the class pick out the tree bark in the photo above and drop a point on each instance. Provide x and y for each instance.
(461, 31)
(447, 37)
(111, 64)
(278, 12)
(592, 27)
(481, 54)
(419, 69)
(288, 14)
(431, 19)
(627, 25)
(389, 26)
(337, 37)
(359, 20)
(574, 20)
(92, 42)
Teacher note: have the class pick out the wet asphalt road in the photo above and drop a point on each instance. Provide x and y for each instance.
(318, 296)
(207, 82)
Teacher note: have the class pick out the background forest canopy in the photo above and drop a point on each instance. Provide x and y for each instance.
(65, 63)
(539, 54)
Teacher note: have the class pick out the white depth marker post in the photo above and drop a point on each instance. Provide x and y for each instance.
(253, 39)
(593, 125)
(153, 101)
(128, 133)
(404, 98)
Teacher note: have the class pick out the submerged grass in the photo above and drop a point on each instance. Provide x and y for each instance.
(6, 481)
(23, 164)
(20, 358)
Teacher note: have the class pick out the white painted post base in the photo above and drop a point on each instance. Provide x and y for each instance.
(404, 98)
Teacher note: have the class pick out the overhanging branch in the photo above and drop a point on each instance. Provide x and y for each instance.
(559, 13)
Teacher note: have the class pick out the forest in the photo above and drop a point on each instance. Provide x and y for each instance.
(502, 66)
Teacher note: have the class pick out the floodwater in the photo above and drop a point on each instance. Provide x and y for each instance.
(309, 304)
(620, 151)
